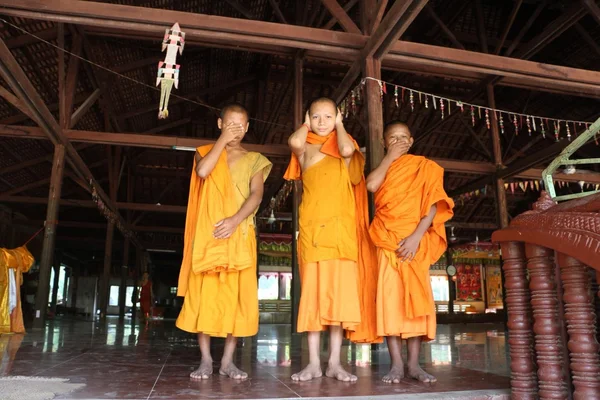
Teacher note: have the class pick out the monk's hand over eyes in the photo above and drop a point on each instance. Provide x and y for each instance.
(225, 228)
(407, 248)
(232, 132)
(397, 150)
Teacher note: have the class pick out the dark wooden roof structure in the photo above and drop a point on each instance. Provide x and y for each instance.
(529, 56)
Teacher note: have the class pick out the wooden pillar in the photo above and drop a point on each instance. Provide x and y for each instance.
(500, 191)
(136, 294)
(451, 284)
(123, 286)
(105, 279)
(125, 264)
(523, 380)
(581, 325)
(372, 68)
(374, 144)
(549, 350)
(56, 268)
(41, 299)
(296, 193)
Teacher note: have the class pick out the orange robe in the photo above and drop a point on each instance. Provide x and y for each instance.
(336, 256)
(13, 262)
(218, 276)
(405, 305)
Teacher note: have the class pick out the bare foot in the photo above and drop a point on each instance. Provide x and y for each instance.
(233, 372)
(310, 372)
(339, 373)
(416, 372)
(204, 371)
(395, 375)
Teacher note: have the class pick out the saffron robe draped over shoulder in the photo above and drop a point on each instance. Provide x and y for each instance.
(336, 256)
(405, 305)
(218, 276)
(13, 264)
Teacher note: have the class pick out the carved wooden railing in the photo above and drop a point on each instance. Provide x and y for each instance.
(551, 265)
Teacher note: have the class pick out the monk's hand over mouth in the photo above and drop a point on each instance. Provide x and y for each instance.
(225, 228)
(232, 132)
(407, 248)
(397, 150)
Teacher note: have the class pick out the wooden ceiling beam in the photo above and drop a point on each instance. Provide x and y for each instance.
(277, 11)
(14, 100)
(593, 9)
(394, 24)
(169, 142)
(449, 34)
(71, 82)
(331, 23)
(566, 20)
(90, 204)
(27, 40)
(509, 24)
(16, 78)
(588, 39)
(530, 21)
(84, 107)
(240, 8)
(342, 17)
(210, 30)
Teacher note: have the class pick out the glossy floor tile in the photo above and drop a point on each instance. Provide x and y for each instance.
(124, 361)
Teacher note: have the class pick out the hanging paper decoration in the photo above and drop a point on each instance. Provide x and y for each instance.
(396, 96)
(568, 131)
(528, 126)
(487, 118)
(442, 107)
(168, 70)
(426, 101)
(501, 124)
(473, 115)
(516, 123)
(556, 130)
(543, 129)
(412, 101)
(460, 105)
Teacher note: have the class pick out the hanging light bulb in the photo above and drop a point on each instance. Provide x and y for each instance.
(271, 219)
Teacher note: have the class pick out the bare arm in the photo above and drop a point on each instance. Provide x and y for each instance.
(257, 187)
(345, 144)
(205, 165)
(229, 133)
(377, 176)
(297, 140)
(407, 248)
(426, 222)
(226, 227)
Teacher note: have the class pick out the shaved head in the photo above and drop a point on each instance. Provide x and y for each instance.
(323, 100)
(234, 107)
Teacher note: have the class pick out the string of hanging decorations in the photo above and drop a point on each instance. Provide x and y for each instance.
(277, 202)
(446, 106)
(108, 214)
(530, 185)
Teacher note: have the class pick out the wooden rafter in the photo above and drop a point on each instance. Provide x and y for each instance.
(342, 17)
(242, 9)
(14, 76)
(444, 27)
(530, 21)
(277, 11)
(593, 9)
(509, 24)
(280, 39)
(281, 151)
(331, 23)
(395, 23)
(566, 20)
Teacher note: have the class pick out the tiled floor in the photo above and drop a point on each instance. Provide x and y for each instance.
(138, 362)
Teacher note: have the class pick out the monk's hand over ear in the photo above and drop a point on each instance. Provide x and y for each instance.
(407, 248)
(225, 228)
(397, 150)
(232, 132)
(339, 118)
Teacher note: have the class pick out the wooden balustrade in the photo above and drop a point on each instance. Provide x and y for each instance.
(551, 265)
